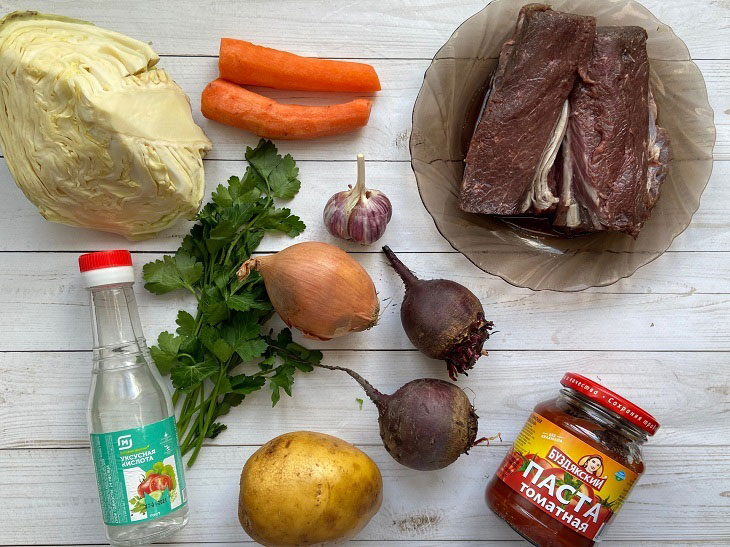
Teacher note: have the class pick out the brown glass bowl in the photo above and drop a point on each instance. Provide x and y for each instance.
(528, 255)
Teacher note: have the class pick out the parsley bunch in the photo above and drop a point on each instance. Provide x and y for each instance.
(205, 357)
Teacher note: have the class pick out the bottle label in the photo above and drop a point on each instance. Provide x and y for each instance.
(139, 472)
(570, 480)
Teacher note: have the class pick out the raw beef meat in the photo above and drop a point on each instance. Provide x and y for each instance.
(614, 157)
(525, 115)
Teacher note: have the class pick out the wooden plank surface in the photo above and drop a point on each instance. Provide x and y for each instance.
(661, 337)
(411, 230)
(416, 505)
(628, 317)
(504, 387)
(318, 28)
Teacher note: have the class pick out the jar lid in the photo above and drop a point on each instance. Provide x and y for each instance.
(106, 268)
(610, 400)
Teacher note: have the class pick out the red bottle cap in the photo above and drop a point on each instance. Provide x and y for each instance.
(610, 400)
(106, 268)
(104, 259)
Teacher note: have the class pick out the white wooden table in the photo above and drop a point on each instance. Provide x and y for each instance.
(661, 337)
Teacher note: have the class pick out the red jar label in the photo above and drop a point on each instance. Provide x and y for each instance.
(566, 478)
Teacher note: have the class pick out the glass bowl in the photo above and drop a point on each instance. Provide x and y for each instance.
(526, 255)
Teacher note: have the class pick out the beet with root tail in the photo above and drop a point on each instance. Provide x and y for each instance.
(442, 318)
(426, 424)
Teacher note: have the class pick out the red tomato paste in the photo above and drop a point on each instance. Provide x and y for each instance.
(572, 465)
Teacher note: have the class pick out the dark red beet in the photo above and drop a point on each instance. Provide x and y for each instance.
(427, 424)
(442, 318)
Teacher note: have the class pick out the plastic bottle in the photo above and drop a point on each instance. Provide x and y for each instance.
(131, 419)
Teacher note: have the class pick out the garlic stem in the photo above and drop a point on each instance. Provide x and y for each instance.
(360, 185)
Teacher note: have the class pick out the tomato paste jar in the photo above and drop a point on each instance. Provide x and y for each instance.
(572, 465)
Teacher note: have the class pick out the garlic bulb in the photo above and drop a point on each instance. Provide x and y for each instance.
(358, 213)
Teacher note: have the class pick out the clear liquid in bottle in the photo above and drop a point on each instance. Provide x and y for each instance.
(130, 415)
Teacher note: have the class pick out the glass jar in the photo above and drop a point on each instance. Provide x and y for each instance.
(572, 465)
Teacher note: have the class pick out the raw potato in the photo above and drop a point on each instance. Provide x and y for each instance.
(306, 488)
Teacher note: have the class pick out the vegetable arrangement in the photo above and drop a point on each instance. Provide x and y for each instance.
(97, 136)
(242, 62)
(137, 167)
(203, 357)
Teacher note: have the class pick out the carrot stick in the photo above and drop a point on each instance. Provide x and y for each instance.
(233, 105)
(248, 64)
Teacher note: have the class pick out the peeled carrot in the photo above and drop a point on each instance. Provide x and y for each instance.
(248, 64)
(233, 105)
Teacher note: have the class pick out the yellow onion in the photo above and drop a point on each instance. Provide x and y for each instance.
(317, 288)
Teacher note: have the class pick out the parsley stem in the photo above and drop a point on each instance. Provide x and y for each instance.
(192, 411)
(243, 231)
(186, 413)
(211, 408)
(192, 291)
(234, 243)
(194, 430)
(192, 359)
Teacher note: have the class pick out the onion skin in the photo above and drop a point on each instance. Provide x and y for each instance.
(318, 289)
(426, 424)
(442, 318)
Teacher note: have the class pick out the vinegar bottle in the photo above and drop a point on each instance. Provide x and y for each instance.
(131, 419)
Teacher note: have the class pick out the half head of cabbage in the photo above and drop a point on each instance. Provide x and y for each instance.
(93, 133)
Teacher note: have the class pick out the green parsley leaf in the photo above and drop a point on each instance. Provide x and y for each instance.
(213, 305)
(193, 243)
(284, 338)
(164, 353)
(216, 345)
(245, 385)
(243, 336)
(219, 354)
(215, 429)
(249, 350)
(268, 362)
(187, 376)
(264, 158)
(241, 302)
(168, 343)
(220, 236)
(283, 378)
(246, 302)
(283, 221)
(222, 197)
(172, 273)
(185, 323)
(229, 401)
(283, 179)
(253, 238)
